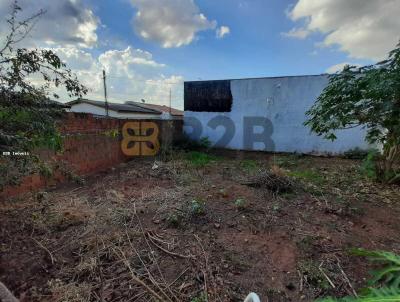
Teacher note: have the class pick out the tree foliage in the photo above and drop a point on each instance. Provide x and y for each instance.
(368, 96)
(27, 114)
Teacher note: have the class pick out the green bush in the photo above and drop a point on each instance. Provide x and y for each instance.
(369, 165)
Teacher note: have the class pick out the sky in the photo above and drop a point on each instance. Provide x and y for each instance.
(148, 48)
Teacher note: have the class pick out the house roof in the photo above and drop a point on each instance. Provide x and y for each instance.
(116, 106)
(53, 103)
(161, 108)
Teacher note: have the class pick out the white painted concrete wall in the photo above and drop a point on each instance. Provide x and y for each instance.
(88, 108)
(284, 102)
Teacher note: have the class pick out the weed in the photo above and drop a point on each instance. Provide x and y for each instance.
(69, 292)
(201, 298)
(174, 219)
(114, 133)
(240, 203)
(236, 261)
(197, 208)
(69, 174)
(205, 142)
(249, 165)
(288, 161)
(306, 244)
(186, 143)
(315, 277)
(45, 170)
(199, 159)
(120, 216)
(276, 208)
(308, 175)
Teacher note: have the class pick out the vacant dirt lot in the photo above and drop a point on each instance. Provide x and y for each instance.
(199, 228)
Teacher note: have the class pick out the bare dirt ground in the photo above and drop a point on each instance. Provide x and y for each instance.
(193, 229)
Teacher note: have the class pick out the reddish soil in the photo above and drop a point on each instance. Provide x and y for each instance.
(181, 230)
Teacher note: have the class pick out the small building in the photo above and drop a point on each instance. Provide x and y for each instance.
(128, 110)
(167, 113)
(262, 114)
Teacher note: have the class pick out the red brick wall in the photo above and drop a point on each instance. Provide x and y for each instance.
(89, 146)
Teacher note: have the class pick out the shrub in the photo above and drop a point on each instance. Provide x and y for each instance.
(373, 168)
(368, 167)
(385, 283)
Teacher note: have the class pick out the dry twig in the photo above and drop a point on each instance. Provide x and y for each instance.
(206, 265)
(46, 249)
(168, 252)
(136, 278)
(345, 277)
(325, 275)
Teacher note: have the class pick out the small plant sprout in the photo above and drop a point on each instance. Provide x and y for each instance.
(174, 219)
(240, 203)
(197, 207)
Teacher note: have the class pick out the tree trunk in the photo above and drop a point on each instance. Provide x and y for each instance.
(391, 173)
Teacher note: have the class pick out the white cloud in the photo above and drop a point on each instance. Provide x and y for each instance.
(66, 22)
(298, 33)
(113, 59)
(132, 74)
(69, 29)
(365, 29)
(222, 31)
(339, 67)
(173, 23)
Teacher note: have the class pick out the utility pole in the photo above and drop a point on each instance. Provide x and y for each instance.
(170, 100)
(105, 91)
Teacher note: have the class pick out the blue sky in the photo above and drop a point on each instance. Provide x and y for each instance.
(151, 46)
(254, 48)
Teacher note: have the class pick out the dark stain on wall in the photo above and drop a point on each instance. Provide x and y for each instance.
(208, 96)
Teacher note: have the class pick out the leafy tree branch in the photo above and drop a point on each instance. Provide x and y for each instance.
(27, 115)
(370, 97)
